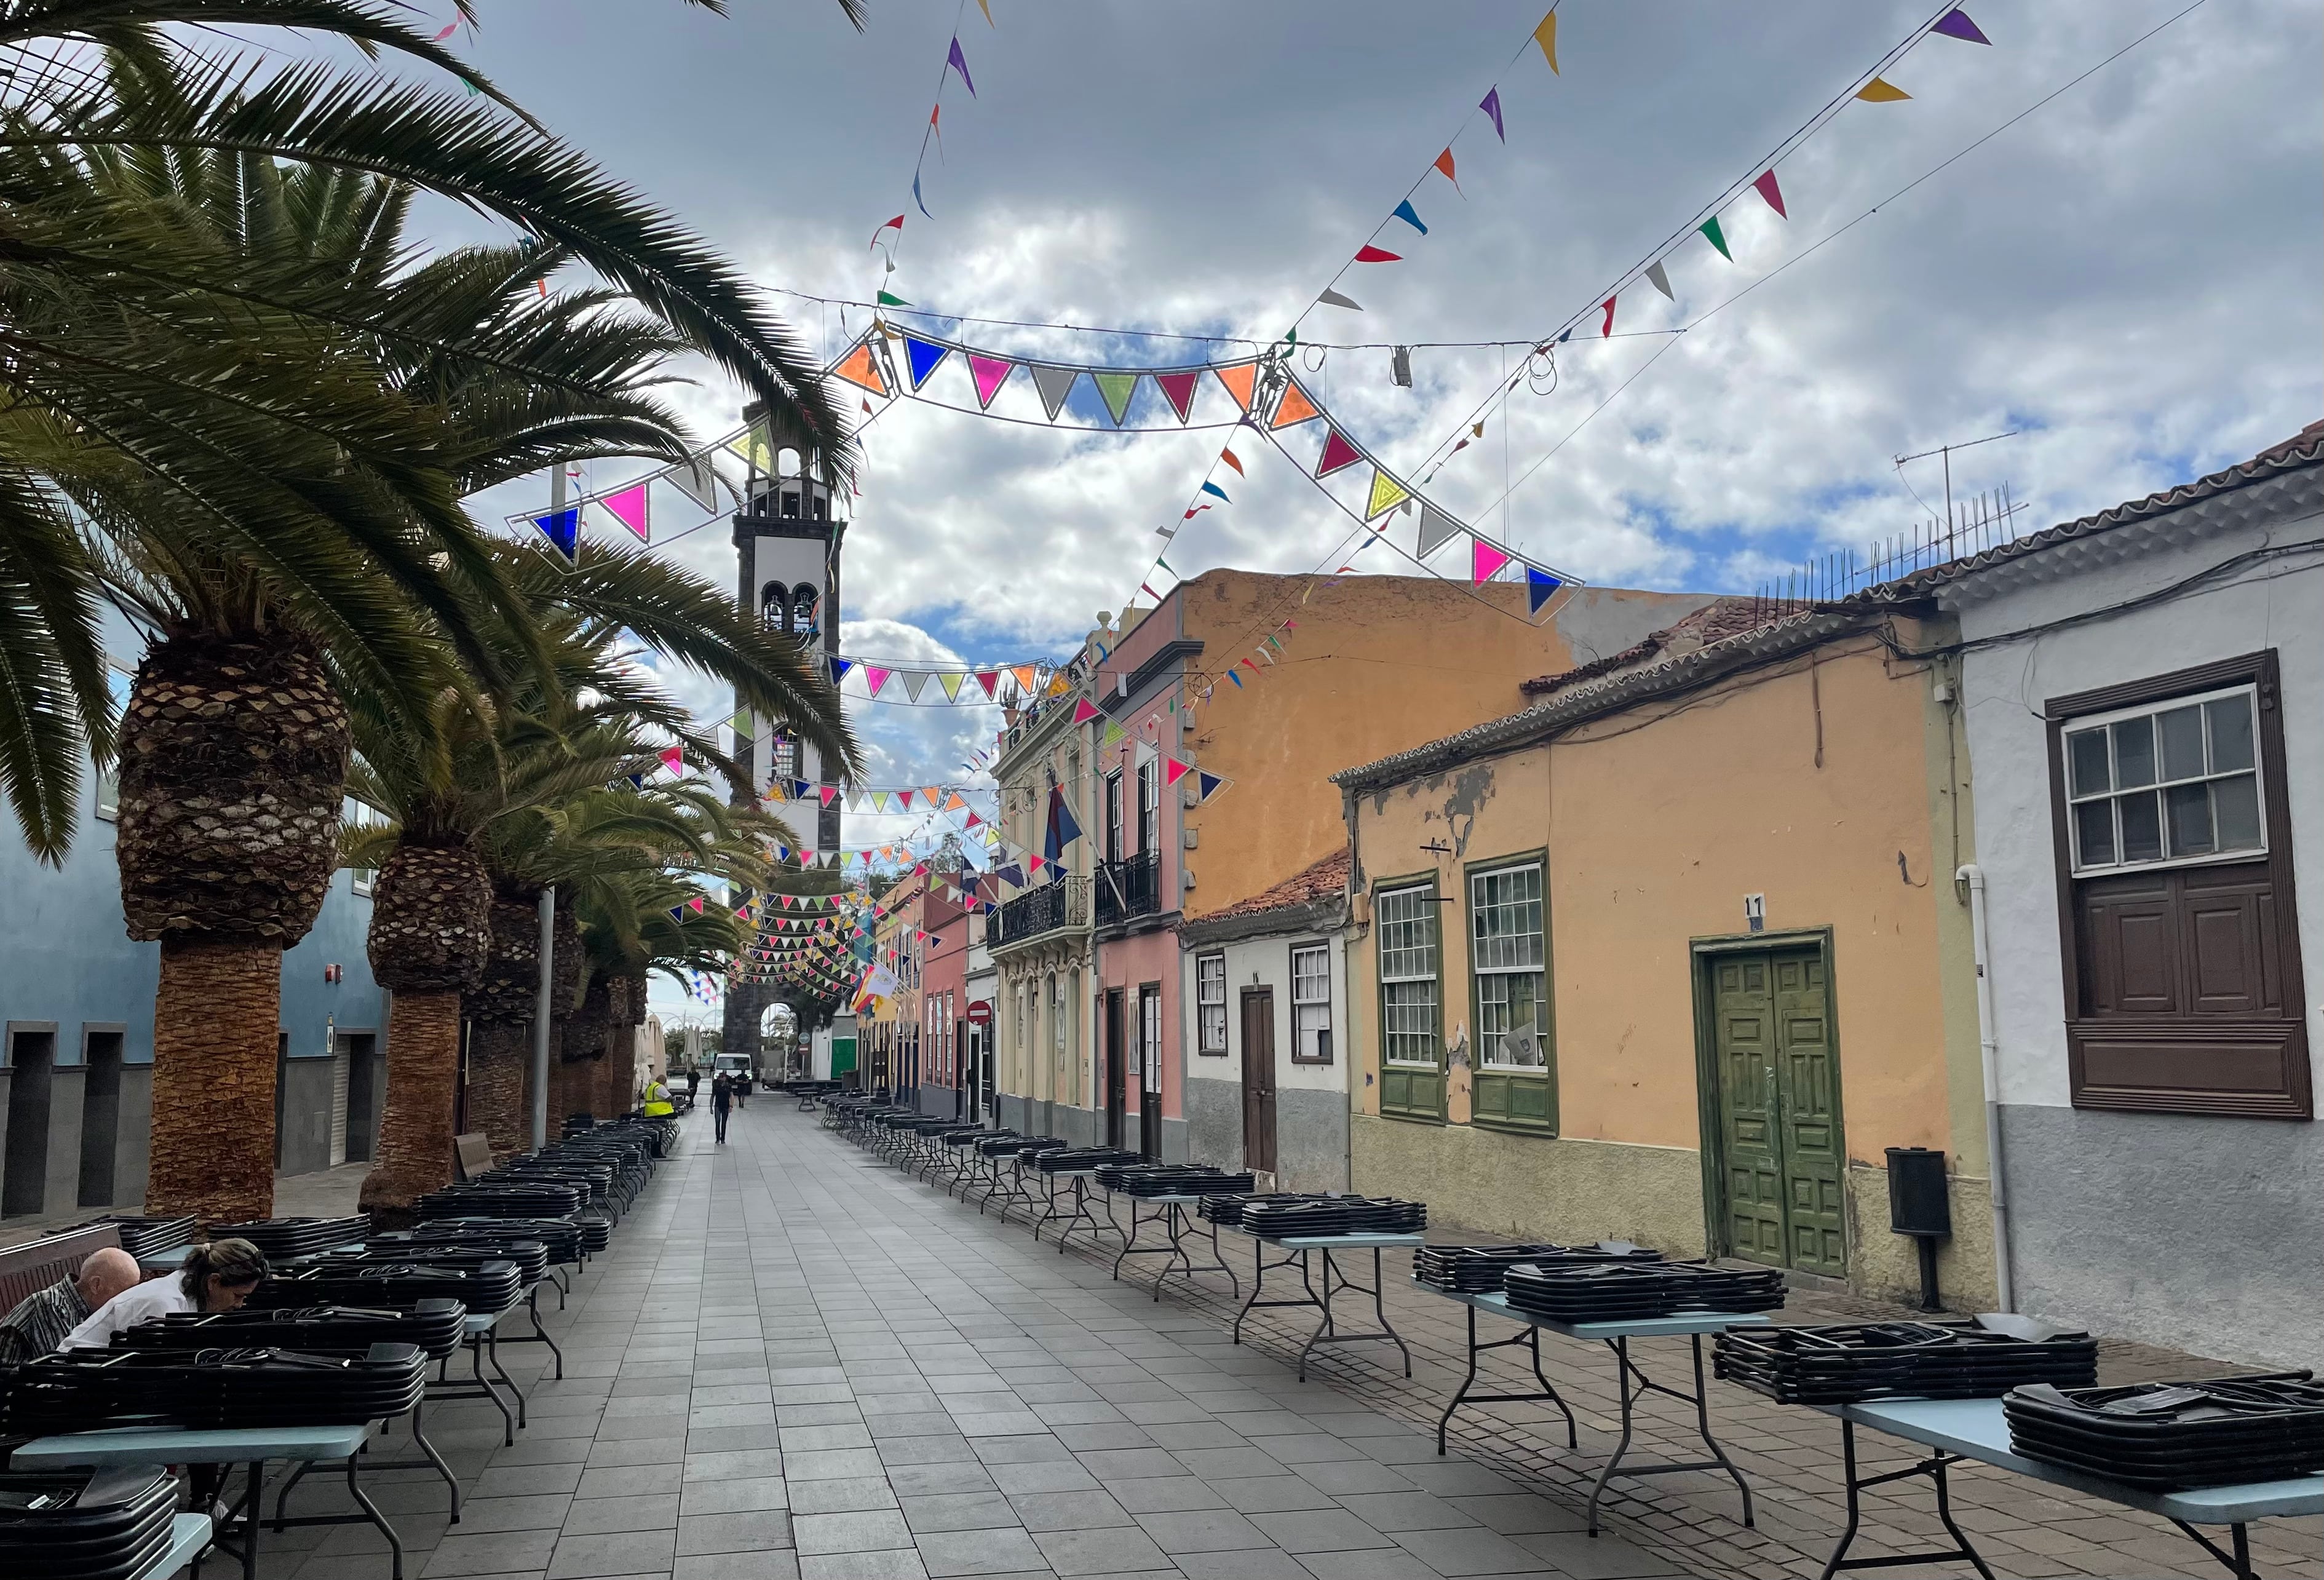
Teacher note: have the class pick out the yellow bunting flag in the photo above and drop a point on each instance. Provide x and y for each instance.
(1387, 494)
(756, 448)
(1881, 91)
(1546, 35)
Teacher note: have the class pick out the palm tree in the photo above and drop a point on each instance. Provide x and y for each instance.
(228, 379)
(632, 928)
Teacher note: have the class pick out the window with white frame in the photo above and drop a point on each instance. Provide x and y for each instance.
(1311, 1005)
(1210, 1004)
(1505, 956)
(117, 682)
(2167, 785)
(1406, 923)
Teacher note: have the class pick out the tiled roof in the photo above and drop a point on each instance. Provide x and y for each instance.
(1606, 692)
(1326, 880)
(1714, 622)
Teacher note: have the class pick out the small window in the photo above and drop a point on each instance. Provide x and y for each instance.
(355, 815)
(1149, 808)
(1210, 1003)
(775, 605)
(2165, 786)
(1311, 1005)
(1114, 816)
(1504, 945)
(1406, 921)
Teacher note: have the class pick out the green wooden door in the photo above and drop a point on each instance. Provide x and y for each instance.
(1778, 1110)
(1809, 1112)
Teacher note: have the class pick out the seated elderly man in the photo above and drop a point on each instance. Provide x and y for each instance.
(39, 1322)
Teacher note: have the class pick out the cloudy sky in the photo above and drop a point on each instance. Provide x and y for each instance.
(2127, 274)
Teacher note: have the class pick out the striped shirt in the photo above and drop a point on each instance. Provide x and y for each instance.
(39, 1322)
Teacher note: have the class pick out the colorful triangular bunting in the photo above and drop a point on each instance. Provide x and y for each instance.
(1178, 389)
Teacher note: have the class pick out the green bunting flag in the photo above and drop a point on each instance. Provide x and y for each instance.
(1717, 238)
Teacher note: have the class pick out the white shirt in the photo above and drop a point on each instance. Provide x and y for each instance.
(153, 1298)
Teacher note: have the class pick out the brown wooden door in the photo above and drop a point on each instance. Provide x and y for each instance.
(1258, 1078)
(1116, 1062)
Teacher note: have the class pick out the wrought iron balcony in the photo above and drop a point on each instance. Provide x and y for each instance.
(1050, 908)
(1129, 888)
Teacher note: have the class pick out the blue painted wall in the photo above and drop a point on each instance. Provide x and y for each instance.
(66, 957)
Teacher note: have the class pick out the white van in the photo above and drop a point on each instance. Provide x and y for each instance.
(735, 1067)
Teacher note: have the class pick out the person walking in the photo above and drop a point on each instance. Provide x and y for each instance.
(722, 1101)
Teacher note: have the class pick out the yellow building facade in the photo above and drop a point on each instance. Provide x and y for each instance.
(1675, 955)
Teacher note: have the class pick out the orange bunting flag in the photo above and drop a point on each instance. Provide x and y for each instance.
(1445, 164)
(1229, 458)
(859, 367)
(1240, 379)
(1294, 408)
(1546, 35)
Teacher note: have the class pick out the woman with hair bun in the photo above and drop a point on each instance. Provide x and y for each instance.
(217, 1277)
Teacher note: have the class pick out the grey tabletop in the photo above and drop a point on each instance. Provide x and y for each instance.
(189, 1446)
(1640, 1327)
(1975, 1429)
(188, 1534)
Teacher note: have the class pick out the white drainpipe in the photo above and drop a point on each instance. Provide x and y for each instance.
(1990, 1056)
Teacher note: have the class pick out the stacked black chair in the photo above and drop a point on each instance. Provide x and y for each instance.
(565, 1239)
(1477, 1269)
(2168, 1436)
(483, 1287)
(434, 1326)
(287, 1239)
(1072, 1159)
(530, 1256)
(85, 1524)
(495, 1198)
(1148, 1179)
(1288, 1217)
(140, 1237)
(1852, 1363)
(73, 1391)
(1605, 1291)
(1701, 1286)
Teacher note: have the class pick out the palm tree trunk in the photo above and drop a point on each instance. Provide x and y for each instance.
(499, 1055)
(415, 1131)
(214, 1068)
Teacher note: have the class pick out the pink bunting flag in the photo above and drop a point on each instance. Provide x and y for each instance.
(1767, 187)
(673, 759)
(1172, 770)
(1337, 453)
(1082, 711)
(1178, 389)
(629, 508)
(1485, 560)
(1492, 104)
(990, 373)
(875, 677)
(695, 905)
(829, 792)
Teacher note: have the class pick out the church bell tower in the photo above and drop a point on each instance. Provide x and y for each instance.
(786, 540)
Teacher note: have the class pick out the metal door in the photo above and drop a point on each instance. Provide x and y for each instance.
(1116, 1059)
(339, 1074)
(1778, 1117)
(1258, 1078)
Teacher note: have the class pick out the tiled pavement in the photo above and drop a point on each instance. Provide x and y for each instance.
(795, 1362)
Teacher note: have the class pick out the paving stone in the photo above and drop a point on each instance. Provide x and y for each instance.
(737, 1531)
(629, 1552)
(640, 1511)
(995, 1551)
(738, 1494)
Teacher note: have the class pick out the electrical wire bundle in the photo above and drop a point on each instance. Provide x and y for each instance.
(1477, 1269)
(140, 1237)
(73, 1391)
(484, 1288)
(2166, 1436)
(434, 1326)
(286, 1239)
(1850, 1362)
(85, 1524)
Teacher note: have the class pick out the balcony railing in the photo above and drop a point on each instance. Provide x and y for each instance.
(1047, 909)
(1129, 888)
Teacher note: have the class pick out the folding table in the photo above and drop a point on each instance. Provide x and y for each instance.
(1080, 1217)
(1616, 1336)
(479, 1339)
(189, 1535)
(1327, 1331)
(1173, 1219)
(1977, 1429)
(252, 1447)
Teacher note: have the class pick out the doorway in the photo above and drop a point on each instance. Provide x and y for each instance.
(1258, 1079)
(1116, 1069)
(1773, 1148)
(366, 1080)
(100, 1114)
(1149, 1070)
(33, 1058)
